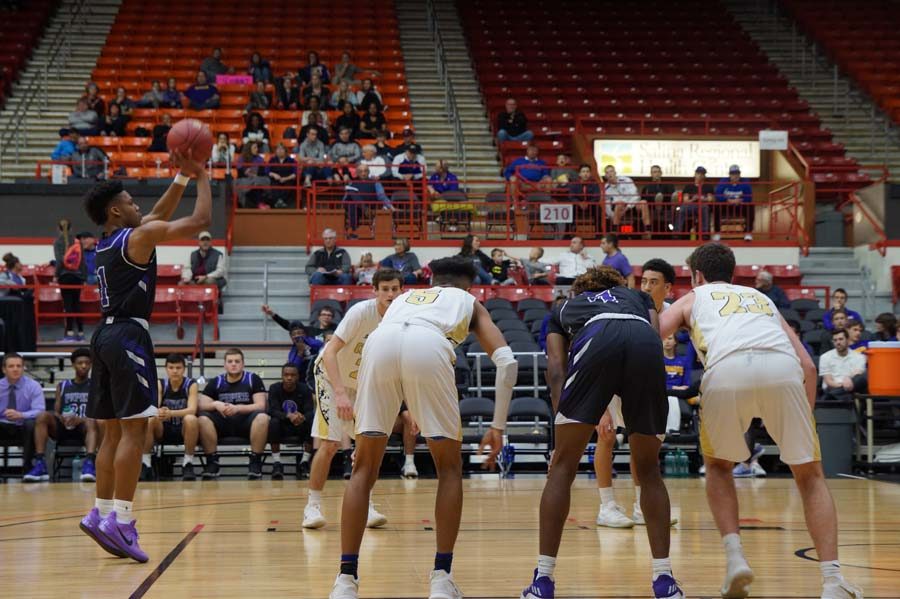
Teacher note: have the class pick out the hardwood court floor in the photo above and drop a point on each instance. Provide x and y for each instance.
(251, 543)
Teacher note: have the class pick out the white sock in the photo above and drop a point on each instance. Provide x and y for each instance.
(276, 456)
(123, 510)
(607, 495)
(145, 460)
(637, 495)
(306, 457)
(371, 505)
(831, 569)
(410, 460)
(546, 565)
(315, 497)
(188, 459)
(104, 506)
(732, 543)
(661, 566)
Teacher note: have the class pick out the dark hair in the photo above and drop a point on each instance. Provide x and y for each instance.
(496, 251)
(852, 322)
(296, 325)
(385, 275)
(613, 239)
(600, 278)
(328, 309)
(175, 359)
(583, 165)
(714, 260)
(839, 290)
(290, 365)
(97, 200)
(837, 332)
(889, 322)
(662, 267)
(467, 245)
(233, 351)
(9, 355)
(10, 260)
(839, 311)
(456, 270)
(81, 352)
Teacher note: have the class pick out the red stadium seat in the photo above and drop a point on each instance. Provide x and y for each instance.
(49, 300)
(513, 294)
(168, 274)
(746, 274)
(340, 294)
(90, 299)
(785, 274)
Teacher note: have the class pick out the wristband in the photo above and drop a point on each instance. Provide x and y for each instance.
(181, 180)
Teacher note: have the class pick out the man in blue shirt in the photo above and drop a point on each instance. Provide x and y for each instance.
(529, 171)
(202, 95)
(616, 259)
(734, 198)
(21, 400)
(442, 180)
(66, 145)
(839, 302)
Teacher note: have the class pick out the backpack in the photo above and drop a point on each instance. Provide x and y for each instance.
(73, 257)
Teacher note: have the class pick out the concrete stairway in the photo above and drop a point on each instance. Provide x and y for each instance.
(855, 121)
(288, 292)
(426, 92)
(65, 84)
(838, 267)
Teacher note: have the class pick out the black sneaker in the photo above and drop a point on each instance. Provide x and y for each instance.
(277, 471)
(302, 468)
(255, 470)
(348, 465)
(187, 472)
(146, 472)
(211, 470)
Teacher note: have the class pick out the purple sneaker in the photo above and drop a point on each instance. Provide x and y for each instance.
(124, 537)
(88, 471)
(90, 524)
(665, 587)
(541, 588)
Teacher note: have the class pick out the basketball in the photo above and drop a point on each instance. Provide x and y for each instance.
(191, 137)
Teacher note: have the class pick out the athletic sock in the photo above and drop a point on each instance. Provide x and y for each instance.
(104, 506)
(661, 566)
(38, 457)
(307, 456)
(276, 456)
(637, 495)
(443, 561)
(123, 510)
(315, 497)
(732, 543)
(92, 456)
(607, 495)
(350, 564)
(410, 460)
(831, 569)
(145, 460)
(545, 566)
(188, 459)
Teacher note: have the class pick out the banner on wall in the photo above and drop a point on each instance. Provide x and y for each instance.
(678, 157)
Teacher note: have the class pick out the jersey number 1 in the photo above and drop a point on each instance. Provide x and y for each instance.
(421, 298)
(734, 303)
(104, 291)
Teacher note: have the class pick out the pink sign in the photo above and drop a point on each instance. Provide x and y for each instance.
(239, 79)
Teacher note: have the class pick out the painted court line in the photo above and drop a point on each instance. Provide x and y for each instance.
(164, 565)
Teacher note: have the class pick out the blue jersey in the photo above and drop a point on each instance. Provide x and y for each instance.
(127, 289)
(175, 398)
(74, 397)
(678, 371)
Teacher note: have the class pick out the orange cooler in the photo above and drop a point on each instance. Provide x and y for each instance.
(884, 367)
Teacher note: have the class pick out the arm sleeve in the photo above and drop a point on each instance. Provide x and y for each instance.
(219, 272)
(720, 192)
(273, 402)
(38, 403)
(348, 328)
(256, 384)
(280, 321)
(825, 364)
(212, 390)
(554, 325)
(345, 262)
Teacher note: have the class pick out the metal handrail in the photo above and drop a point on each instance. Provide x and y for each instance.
(15, 132)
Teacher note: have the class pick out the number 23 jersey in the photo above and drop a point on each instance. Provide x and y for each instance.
(729, 318)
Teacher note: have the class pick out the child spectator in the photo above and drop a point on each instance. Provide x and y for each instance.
(366, 269)
(538, 272)
(500, 268)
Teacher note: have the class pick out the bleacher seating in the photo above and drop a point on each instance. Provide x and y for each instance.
(20, 32)
(617, 66)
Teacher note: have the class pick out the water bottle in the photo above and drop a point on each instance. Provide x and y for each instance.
(507, 458)
(158, 168)
(76, 468)
(685, 464)
(591, 450)
(69, 410)
(669, 464)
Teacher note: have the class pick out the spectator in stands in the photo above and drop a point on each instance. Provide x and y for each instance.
(359, 197)
(343, 95)
(316, 88)
(172, 98)
(312, 155)
(341, 172)
(839, 319)
(764, 283)
(404, 261)
(93, 99)
(512, 124)
(839, 302)
(345, 146)
(305, 346)
(89, 161)
(615, 258)
(471, 249)
(348, 119)
(528, 172)
(375, 163)
(563, 173)
(160, 134)
(324, 321)
(886, 327)
(621, 196)
(843, 371)
(574, 262)
(260, 99)
(584, 188)
(854, 336)
(288, 93)
(409, 165)
(212, 66)
(382, 149)
(233, 404)
(314, 68)
(797, 331)
(409, 139)
(366, 269)
(368, 95)
(257, 131)
(114, 122)
(89, 253)
(314, 121)
(734, 197)
(21, 400)
(282, 172)
(251, 173)
(500, 265)
(126, 105)
(347, 71)
(372, 122)
(153, 98)
(538, 272)
(442, 180)
(658, 196)
(291, 409)
(678, 368)
(83, 119)
(207, 265)
(696, 198)
(71, 270)
(66, 145)
(259, 69)
(12, 276)
(314, 106)
(202, 95)
(330, 264)
(223, 151)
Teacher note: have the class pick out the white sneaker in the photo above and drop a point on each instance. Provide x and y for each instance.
(409, 471)
(702, 469)
(613, 516)
(757, 470)
(443, 587)
(376, 518)
(345, 587)
(748, 237)
(838, 588)
(638, 517)
(312, 516)
(738, 577)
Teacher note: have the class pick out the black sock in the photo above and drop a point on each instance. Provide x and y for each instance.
(350, 564)
(92, 457)
(39, 457)
(443, 561)
(348, 455)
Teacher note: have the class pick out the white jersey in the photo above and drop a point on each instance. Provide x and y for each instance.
(447, 310)
(729, 318)
(359, 321)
